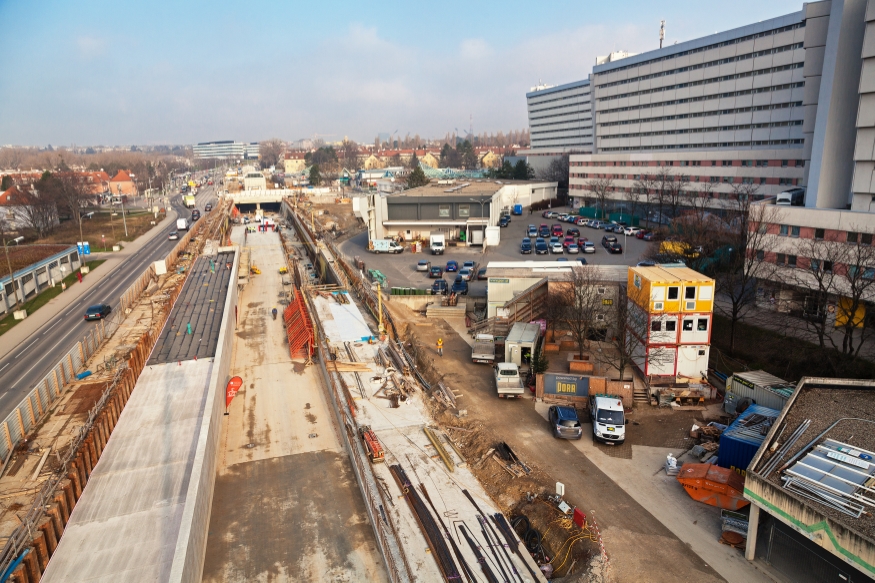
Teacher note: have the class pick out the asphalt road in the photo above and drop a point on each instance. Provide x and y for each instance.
(23, 368)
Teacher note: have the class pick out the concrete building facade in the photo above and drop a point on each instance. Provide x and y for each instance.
(560, 117)
(227, 149)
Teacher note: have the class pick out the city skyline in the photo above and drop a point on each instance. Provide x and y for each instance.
(160, 73)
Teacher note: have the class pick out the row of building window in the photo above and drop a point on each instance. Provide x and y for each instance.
(687, 193)
(819, 265)
(581, 111)
(725, 61)
(671, 325)
(710, 47)
(713, 96)
(708, 129)
(710, 179)
(755, 143)
(534, 104)
(819, 234)
(587, 121)
(646, 163)
(559, 133)
(700, 113)
(720, 79)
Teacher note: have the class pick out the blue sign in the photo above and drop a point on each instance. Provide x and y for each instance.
(84, 247)
(568, 385)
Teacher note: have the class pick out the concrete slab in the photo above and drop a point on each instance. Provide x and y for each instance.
(286, 506)
(126, 525)
(696, 524)
(342, 322)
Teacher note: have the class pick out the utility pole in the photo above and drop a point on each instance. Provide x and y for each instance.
(124, 220)
(661, 32)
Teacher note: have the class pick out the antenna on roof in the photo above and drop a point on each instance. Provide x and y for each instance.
(661, 32)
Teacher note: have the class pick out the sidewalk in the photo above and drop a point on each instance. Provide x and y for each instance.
(22, 331)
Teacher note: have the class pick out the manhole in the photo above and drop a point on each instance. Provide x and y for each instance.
(313, 435)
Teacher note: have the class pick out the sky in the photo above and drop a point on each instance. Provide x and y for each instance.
(97, 72)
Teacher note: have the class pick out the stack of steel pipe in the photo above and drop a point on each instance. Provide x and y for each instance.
(430, 529)
(779, 455)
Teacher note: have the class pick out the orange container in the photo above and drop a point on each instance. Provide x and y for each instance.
(720, 487)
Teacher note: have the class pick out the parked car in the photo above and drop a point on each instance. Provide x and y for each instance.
(646, 263)
(97, 312)
(564, 422)
(610, 228)
(607, 240)
(597, 225)
(573, 249)
(582, 260)
(543, 231)
(526, 246)
(439, 288)
(581, 241)
(573, 232)
(460, 286)
(452, 265)
(569, 240)
(423, 265)
(436, 272)
(540, 246)
(548, 214)
(588, 247)
(553, 241)
(562, 259)
(466, 273)
(481, 273)
(580, 221)
(504, 221)
(532, 231)
(468, 265)
(556, 248)
(556, 230)
(614, 248)
(631, 231)
(640, 234)
(173, 236)
(571, 219)
(651, 236)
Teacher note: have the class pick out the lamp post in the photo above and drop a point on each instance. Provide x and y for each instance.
(124, 220)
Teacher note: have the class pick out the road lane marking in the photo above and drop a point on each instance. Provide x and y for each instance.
(4, 366)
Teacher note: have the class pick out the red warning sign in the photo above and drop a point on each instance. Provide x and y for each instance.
(233, 386)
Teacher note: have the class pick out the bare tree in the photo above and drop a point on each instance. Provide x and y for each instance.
(643, 188)
(741, 263)
(660, 192)
(626, 342)
(39, 210)
(5, 233)
(840, 278)
(553, 306)
(270, 152)
(556, 171)
(601, 189)
(72, 193)
(583, 304)
(632, 197)
(349, 153)
(676, 192)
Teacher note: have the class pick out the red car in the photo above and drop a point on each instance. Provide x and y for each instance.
(581, 241)
(569, 240)
(640, 234)
(557, 230)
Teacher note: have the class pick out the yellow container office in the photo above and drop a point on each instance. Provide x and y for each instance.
(670, 290)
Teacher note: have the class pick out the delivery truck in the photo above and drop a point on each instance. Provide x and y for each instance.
(508, 382)
(181, 224)
(437, 244)
(608, 419)
(384, 246)
(188, 201)
(483, 351)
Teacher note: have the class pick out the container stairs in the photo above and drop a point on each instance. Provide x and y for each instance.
(299, 327)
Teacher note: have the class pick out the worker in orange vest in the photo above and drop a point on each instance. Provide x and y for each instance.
(440, 346)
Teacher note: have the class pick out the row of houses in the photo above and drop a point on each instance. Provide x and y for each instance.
(294, 162)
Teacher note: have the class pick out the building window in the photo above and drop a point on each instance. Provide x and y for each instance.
(702, 325)
(827, 266)
(784, 163)
(673, 293)
(688, 325)
(464, 210)
(818, 234)
(656, 326)
(800, 163)
(853, 237)
(444, 211)
(815, 265)
(794, 231)
(727, 162)
(866, 238)
(671, 326)
(690, 292)
(761, 255)
(791, 260)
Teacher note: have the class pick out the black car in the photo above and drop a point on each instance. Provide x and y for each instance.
(460, 286)
(436, 272)
(526, 246)
(481, 273)
(98, 312)
(607, 240)
(541, 246)
(573, 231)
(614, 248)
(208, 208)
(195, 215)
(439, 288)
(504, 221)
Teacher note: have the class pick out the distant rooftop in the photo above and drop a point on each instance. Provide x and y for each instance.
(466, 188)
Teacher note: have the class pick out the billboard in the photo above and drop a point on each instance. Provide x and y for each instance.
(566, 385)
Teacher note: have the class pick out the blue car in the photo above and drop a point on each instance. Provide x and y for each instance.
(460, 286)
(565, 423)
(452, 266)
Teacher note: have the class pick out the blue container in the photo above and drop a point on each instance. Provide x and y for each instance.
(739, 443)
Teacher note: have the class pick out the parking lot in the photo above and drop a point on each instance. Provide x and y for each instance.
(401, 269)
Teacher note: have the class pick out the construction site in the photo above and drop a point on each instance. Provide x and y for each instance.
(337, 453)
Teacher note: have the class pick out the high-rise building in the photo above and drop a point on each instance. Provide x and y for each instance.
(560, 118)
(227, 149)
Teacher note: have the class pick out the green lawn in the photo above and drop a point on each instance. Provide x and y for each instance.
(38, 301)
(786, 357)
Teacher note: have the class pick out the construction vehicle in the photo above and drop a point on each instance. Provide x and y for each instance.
(254, 270)
(372, 444)
(284, 270)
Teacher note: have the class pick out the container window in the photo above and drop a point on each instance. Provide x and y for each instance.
(690, 292)
(671, 326)
(688, 325)
(673, 293)
(656, 326)
(702, 325)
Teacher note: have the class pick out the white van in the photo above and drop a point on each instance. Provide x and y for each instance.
(608, 419)
(792, 197)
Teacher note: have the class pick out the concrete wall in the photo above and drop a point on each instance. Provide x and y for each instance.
(191, 546)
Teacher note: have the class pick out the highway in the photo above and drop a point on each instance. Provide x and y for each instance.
(22, 368)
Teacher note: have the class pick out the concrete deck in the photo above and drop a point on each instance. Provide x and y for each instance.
(286, 506)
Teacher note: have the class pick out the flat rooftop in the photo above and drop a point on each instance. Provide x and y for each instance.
(200, 305)
(554, 270)
(126, 525)
(475, 187)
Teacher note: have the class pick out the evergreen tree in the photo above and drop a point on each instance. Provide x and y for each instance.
(417, 178)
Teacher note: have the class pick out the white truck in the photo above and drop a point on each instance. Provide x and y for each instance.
(508, 382)
(385, 246)
(483, 350)
(437, 244)
(608, 419)
(181, 224)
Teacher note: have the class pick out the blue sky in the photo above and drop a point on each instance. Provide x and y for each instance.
(164, 72)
